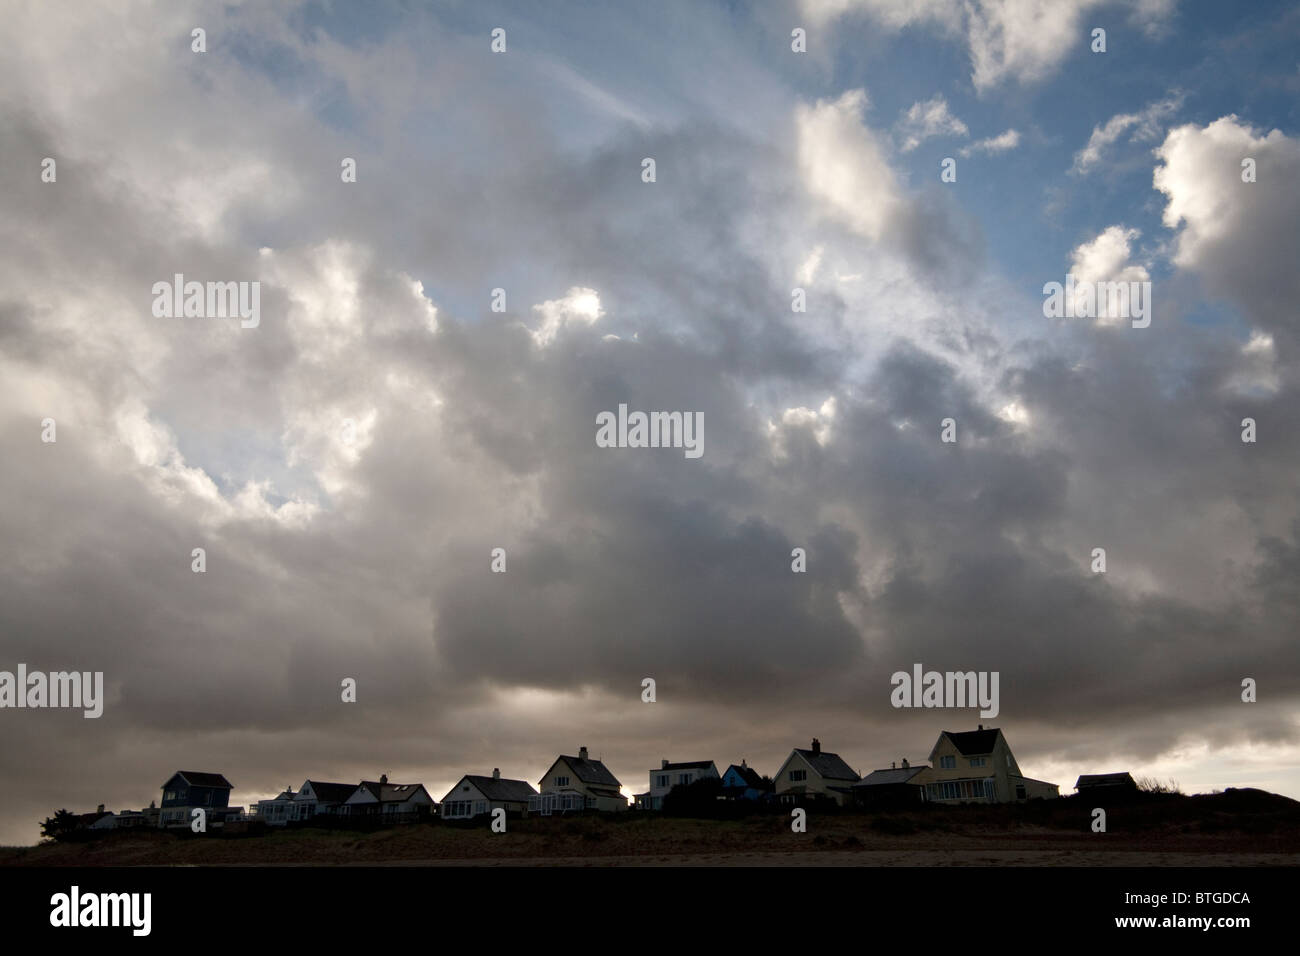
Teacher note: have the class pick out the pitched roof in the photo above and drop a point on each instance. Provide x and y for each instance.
(1104, 780)
(197, 778)
(331, 792)
(688, 765)
(829, 766)
(748, 774)
(591, 771)
(390, 792)
(882, 778)
(973, 743)
(499, 788)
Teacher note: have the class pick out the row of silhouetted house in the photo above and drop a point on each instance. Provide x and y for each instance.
(974, 766)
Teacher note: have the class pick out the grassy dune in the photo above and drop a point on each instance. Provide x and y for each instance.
(1247, 827)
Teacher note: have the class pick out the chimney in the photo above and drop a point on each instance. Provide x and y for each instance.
(100, 808)
(383, 779)
(905, 763)
(496, 773)
(743, 764)
(816, 747)
(892, 765)
(582, 753)
(664, 765)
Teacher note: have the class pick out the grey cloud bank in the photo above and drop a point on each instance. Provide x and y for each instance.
(368, 558)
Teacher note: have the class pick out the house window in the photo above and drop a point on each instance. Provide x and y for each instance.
(961, 790)
(480, 806)
(663, 780)
(978, 761)
(948, 763)
(561, 781)
(683, 778)
(797, 775)
(1020, 791)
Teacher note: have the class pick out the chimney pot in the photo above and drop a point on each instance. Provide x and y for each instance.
(905, 763)
(496, 773)
(383, 778)
(816, 747)
(582, 753)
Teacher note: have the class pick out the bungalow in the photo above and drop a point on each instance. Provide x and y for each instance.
(976, 766)
(577, 783)
(475, 796)
(187, 790)
(278, 810)
(897, 788)
(316, 798)
(743, 782)
(101, 819)
(389, 802)
(1108, 785)
(815, 774)
(671, 775)
(131, 819)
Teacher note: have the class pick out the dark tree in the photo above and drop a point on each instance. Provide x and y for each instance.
(60, 826)
(698, 799)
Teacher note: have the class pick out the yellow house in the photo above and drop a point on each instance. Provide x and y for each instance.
(577, 783)
(815, 773)
(977, 766)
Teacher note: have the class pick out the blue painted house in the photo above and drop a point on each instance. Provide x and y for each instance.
(187, 789)
(743, 782)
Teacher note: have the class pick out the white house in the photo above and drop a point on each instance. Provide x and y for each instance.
(389, 801)
(278, 810)
(101, 819)
(475, 796)
(669, 775)
(318, 798)
(815, 774)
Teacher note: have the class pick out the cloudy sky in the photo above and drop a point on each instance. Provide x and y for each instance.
(349, 464)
